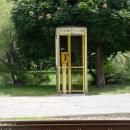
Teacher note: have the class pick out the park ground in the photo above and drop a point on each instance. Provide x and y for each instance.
(41, 102)
(73, 106)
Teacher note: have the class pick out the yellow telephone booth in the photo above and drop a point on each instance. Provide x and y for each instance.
(71, 59)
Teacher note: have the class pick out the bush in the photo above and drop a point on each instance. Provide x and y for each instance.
(90, 79)
(33, 77)
(117, 69)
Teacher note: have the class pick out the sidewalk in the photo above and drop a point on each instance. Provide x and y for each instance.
(65, 105)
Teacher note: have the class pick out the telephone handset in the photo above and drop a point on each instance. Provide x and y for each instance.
(64, 58)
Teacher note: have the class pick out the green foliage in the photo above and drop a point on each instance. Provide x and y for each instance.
(35, 21)
(118, 68)
(90, 79)
(35, 38)
(109, 67)
(6, 35)
(5, 24)
(33, 78)
(48, 63)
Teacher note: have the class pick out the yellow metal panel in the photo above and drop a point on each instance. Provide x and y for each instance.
(76, 91)
(86, 80)
(74, 67)
(83, 59)
(69, 63)
(64, 78)
(57, 64)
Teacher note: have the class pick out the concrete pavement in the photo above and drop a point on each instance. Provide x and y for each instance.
(65, 105)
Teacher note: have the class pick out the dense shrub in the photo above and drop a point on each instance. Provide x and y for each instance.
(43, 64)
(117, 68)
(33, 78)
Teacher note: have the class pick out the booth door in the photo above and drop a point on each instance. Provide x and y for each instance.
(72, 63)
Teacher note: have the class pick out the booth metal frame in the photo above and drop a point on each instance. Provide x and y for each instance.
(71, 31)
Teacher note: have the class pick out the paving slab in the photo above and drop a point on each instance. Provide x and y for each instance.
(64, 105)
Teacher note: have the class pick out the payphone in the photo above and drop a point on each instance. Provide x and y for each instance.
(71, 59)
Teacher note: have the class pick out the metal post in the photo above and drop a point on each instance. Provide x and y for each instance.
(83, 60)
(69, 63)
(85, 76)
(64, 78)
(57, 64)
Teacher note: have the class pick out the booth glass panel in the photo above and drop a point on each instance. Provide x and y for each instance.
(76, 50)
(76, 79)
(71, 63)
(63, 44)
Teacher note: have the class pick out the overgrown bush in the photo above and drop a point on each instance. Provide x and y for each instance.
(34, 77)
(44, 64)
(117, 68)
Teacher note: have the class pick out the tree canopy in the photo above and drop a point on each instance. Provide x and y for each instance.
(108, 23)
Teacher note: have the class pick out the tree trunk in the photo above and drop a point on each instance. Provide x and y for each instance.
(100, 78)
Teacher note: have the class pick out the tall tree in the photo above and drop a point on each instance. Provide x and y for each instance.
(107, 22)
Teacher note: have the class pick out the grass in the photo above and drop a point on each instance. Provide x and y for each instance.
(27, 90)
(46, 90)
(110, 89)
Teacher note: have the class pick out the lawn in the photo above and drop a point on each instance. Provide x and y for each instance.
(110, 89)
(45, 90)
(27, 90)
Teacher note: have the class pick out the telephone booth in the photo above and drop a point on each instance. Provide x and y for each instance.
(71, 60)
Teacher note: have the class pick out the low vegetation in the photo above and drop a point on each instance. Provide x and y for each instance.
(46, 90)
(27, 90)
